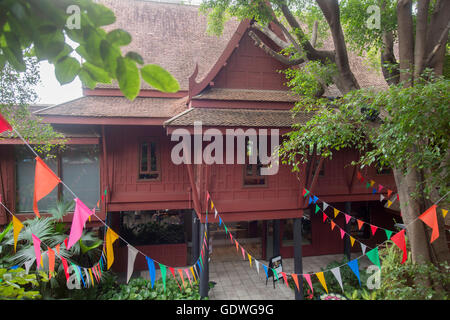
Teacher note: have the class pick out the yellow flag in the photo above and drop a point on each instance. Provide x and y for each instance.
(352, 240)
(372, 183)
(336, 212)
(389, 203)
(17, 226)
(212, 205)
(322, 280)
(444, 212)
(249, 259)
(111, 236)
(92, 278)
(193, 273)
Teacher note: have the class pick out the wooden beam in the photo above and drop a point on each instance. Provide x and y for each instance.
(316, 175)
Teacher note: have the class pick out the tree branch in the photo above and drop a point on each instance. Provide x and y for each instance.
(441, 42)
(421, 37)
(282, 58)
(272, 36)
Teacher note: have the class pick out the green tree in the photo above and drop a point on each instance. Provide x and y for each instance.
(405, 127)
(44, 27)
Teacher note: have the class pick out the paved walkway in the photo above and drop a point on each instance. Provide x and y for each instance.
(235, 280)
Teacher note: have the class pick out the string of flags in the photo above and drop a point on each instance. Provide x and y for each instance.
(428, 217)
(44, 183)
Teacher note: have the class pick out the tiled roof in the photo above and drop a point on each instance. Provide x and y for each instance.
(247, 95)
(171, 35)
(238, 118)
(99, 106)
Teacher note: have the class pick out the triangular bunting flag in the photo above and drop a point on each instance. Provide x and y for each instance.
(355, 268)
(163, 274)
(342, 233)
(352, 240)
(380, 187)
(363, 248)
(388, 233)
(337, 274)
(66, 268)
(373, 229)
(317, 208)
(44, 182)
(285, 278)
(347, 218)
(17, 226)
(37, 250)
(444, 213)
(429, 217)
(111, 236)
(308, 280)
(215, 213)
(265, 270)
(295, 277)
(332, 224)
(381, 197)
(4, 125)
(324, 217)
(189, 277)
(389, 203)
(305, 192)
(321, 278)
(132, 252)
(315, 199)
(180, 272)
(374, 257)
(359, 176)
(336, 212)
(237, 245)
(80, 216)
(257, 265)
(389, 192)
(360, 224)
(243, 253)
(249, 259)
(372, 183)
(51, 262)
(399, 240)
(325, 206)
(310, 200)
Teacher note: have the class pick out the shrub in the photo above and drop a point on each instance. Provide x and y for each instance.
(16, 284)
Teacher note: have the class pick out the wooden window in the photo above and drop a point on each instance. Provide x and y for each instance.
(149, 167)
(252, 172)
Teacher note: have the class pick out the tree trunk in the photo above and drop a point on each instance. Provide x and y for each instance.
(438, 30)
(410, 209)
(421, 37)
(405, 41)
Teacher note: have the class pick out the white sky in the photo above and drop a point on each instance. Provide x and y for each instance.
(50, 91)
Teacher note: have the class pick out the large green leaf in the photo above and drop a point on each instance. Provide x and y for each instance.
(96, 73)
(128, 76)
(119, 37)
(159, 78)
(100, 15)
(67, 69)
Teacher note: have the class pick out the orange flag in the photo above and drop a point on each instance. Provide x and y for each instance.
(51, 262)
(429, 217)
(295, 277)
(360, 224)
(44, 182)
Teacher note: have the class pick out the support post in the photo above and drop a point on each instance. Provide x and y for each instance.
(348, 209)
(276, 238)
(298, 257)
(195, 250)
(204, 275)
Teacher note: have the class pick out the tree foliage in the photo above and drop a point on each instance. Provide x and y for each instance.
(44, 26)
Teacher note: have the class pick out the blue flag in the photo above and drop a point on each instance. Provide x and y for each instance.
(354, 266)
(265, 270)
(220, 221)
(151, 270)
(315, 199)
(310, 201)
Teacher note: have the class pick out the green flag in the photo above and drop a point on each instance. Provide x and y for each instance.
(317, 208)
(163, 274)
(374, 257)
(388, 233)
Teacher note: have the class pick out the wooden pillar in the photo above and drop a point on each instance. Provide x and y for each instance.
(348, 209)
(276, 237)
(195, 250)
(298, 257)
(204, 275)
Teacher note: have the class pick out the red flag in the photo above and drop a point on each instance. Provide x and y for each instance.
(389, 192)
(399, 240)
(44, 182)
(4, 125)
(285, 278)
(429, 217)
(66, 268)
(51, 262)
(373, 228)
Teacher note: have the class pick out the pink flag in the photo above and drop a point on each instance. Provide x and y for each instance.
(347, 218)
(243, 253)
(342, 233)
(189, 277)
(37, 250)
(80, 216)
(308, 279)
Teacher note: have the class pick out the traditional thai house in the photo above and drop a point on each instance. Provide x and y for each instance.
(124, 147)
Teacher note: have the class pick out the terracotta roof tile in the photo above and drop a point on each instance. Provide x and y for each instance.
(248, 95)
(171, 35)
(237, 118)
(97, 106)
